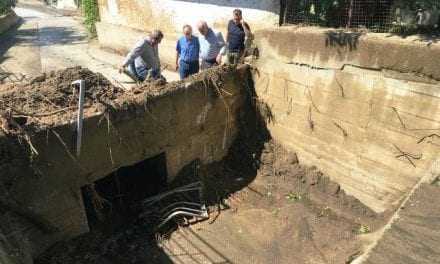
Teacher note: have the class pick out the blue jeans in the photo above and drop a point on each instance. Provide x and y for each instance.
(141, 73)
(188, 68)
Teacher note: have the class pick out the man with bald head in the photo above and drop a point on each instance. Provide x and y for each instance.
(188, 49)
(212, 46)
(143, 60)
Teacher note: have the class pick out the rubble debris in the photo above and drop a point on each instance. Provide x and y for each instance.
(52, 93)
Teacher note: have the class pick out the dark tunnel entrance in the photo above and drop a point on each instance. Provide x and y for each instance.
(112, 201)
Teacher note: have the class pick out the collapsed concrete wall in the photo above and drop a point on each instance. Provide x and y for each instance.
(41, 201)
(134, 18)
(363, 108)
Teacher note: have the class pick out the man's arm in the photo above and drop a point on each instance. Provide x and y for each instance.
(221, 43)
(177, 60)
(135, 52)
(227, 32)
(177, 55)
(247, 29)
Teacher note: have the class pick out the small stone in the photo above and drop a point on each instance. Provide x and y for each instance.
(314, 177)
(39, 78)
(292, 159)
(333, 188)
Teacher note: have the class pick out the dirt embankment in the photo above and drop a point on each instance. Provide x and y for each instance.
(51, 98)
(52, 94)
(288, 213)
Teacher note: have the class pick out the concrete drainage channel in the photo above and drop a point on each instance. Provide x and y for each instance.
(185, 172)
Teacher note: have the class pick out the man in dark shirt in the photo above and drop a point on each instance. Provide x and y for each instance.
(188, 49)
(238, 31)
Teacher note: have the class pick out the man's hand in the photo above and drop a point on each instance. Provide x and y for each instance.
(219, 59)
(177, 66)
(121, 69)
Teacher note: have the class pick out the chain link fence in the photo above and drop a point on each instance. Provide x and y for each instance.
(396, 16)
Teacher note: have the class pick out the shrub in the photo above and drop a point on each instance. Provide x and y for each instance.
(91, 13)
(6, 5)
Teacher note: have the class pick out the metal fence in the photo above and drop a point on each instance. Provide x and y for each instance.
(397, 16)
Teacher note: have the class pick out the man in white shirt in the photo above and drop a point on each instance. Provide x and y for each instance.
(212, 46)
(143, 60)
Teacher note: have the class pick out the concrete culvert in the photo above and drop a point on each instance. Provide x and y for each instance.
(212, 132)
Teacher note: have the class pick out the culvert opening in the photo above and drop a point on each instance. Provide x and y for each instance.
(112, 201)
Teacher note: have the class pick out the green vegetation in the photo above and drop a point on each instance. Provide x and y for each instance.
(91, 14)
(395, 16)
(416, 4)
(6, 5)
(363, 229)
(291, 196)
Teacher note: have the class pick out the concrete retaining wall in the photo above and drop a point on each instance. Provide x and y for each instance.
(187, 123)
(350, 103)
(7, 21)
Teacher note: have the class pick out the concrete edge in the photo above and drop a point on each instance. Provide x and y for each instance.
(334, 49)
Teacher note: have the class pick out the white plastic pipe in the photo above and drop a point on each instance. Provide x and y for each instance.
(79, 128)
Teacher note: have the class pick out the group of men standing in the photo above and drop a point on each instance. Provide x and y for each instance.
(192, 53)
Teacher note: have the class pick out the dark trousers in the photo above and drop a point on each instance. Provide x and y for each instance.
(206, 64)
(188, 68)
(142, 73)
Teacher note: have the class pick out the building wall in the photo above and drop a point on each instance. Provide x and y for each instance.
(347, 103)
(171, 15)
(66, 4)
(186, 122)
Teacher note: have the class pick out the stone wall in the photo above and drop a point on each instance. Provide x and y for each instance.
(351, 103)
(186, 122)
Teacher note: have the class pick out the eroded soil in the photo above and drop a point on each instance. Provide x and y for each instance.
(51, 98)
(54, 91)
(289, 213)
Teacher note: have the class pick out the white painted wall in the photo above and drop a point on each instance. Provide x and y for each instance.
(66, 4)
(259, 14)
(263, 12)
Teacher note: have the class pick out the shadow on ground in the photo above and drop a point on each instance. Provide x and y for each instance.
(47, 36)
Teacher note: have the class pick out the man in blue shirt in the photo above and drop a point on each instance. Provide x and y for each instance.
(212, 46)
(187, 58)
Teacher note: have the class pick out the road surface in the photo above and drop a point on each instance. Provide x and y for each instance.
(49, 39)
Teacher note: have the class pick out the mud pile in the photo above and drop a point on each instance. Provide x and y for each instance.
(53, 93)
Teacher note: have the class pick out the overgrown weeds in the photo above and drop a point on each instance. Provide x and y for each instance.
(6, 6)
(91, 14)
